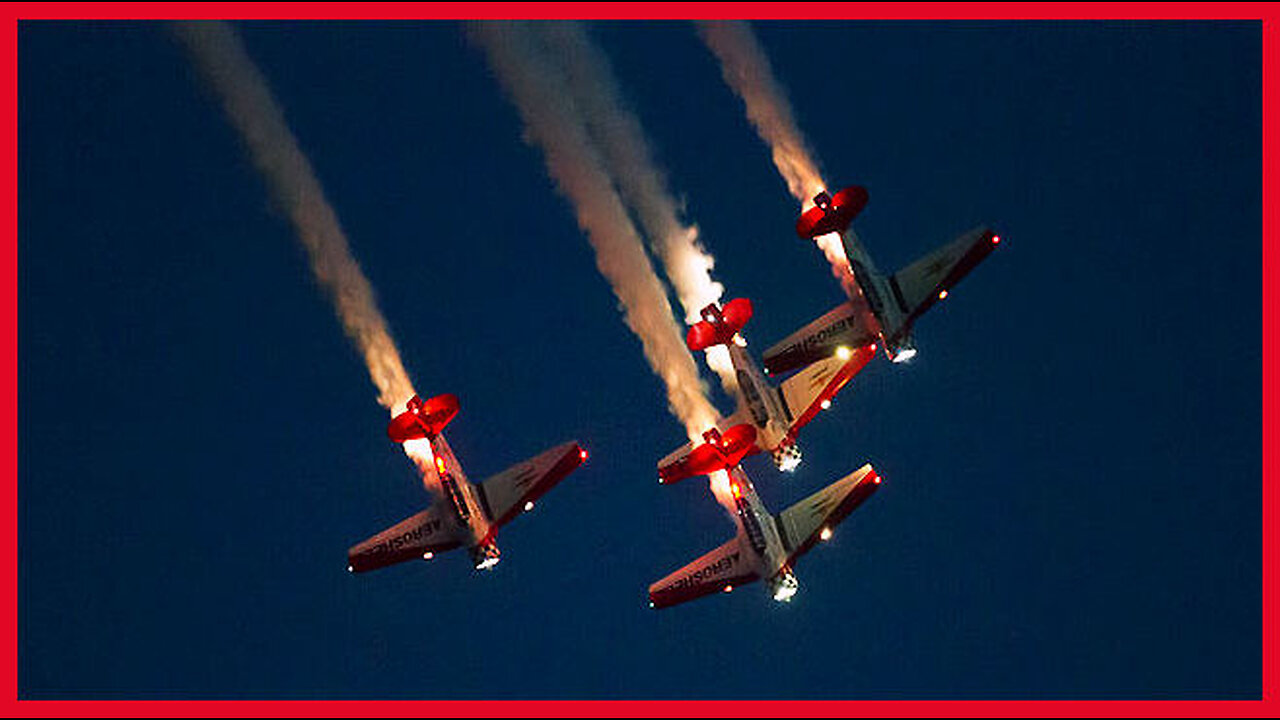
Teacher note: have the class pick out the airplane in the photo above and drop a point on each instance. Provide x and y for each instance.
(887, 306)
(766, 546)
(776, 413)
(465, 513)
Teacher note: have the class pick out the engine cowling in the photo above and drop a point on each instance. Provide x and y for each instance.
(423, 419)
(485, 555)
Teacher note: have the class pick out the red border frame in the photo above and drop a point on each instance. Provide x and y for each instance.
(1267, 13)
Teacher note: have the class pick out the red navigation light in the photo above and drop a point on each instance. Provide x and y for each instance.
(995, 239)
(582, 454)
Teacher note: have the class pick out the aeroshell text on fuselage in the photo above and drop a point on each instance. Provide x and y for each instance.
(706, 572)
(409, 538)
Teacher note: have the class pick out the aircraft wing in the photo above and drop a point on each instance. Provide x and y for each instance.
(504, 495)
(801, 525)
(918, 285)
(725, 567)
(432, 530)
(805, 391)
(849, 324)
(677, 465)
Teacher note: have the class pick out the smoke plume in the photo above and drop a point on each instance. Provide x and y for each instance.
(624, 147)
(220, 56)
(554, 122)
(747, 70)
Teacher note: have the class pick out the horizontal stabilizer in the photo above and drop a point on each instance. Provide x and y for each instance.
(721, 451)
(423, 419)
(832, 213)
(848, 324)
(924, 282)
(670, 468)
(505, 495)
(722, 569)
(431, 531)
(719, 325)
(804, 523)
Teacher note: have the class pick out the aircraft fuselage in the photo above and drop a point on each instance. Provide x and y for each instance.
(757, 525)
(881, 297)
(464, 503)
(761, 400)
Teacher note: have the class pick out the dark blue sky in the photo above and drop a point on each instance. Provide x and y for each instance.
(1072, 463)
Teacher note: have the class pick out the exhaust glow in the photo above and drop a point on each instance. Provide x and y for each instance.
(904, 355)
(720, 487)
(832, 248)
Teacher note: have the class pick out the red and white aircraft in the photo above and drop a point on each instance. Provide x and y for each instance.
(466, 514)
(766, 546)
(775, 413)
(885, 307)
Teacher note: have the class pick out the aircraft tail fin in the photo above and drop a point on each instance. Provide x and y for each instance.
(423, 418)
(722, 449)
(719, 324)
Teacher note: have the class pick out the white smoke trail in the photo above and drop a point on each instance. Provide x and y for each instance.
(747, 71)
(218, 53)
(624, 147)
(554, 123)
